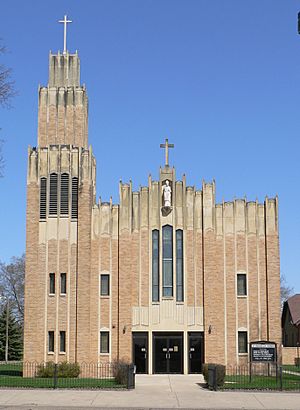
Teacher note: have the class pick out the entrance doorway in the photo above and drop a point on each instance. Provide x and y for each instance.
(167, 353)
(196, 351)
(140, 351)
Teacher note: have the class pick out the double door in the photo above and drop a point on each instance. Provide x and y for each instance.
(168, 353)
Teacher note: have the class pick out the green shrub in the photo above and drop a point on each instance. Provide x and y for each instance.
(221, 371)
(120, 371)
(63, 370)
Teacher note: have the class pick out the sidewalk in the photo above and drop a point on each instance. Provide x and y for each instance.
(163, 391)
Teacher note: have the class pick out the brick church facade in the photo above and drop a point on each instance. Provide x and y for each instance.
(168, 279)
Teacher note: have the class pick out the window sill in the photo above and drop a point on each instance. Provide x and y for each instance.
(51, 295)
(51, 353)
(62, 353)
(243, 354)
(104, 354)
(242, 296)
(63, 295)
(104, 296)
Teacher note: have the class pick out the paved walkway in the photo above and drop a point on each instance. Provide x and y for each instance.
(152, 392)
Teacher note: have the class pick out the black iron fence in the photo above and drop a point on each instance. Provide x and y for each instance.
(255, 376)
(67, 375)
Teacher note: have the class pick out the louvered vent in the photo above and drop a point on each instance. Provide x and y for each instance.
(64, 194)
(53, 195)
(74, 198)
(43, 198)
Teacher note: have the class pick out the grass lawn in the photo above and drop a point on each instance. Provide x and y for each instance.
(11, 376)
(62, 383)
(291, 368)
(289, 382)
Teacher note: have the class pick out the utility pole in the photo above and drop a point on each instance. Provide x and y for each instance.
(6, 338)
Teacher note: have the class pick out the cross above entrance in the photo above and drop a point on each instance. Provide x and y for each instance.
(166, 145)
(65, 22)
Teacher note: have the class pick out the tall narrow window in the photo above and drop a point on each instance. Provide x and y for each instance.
(179, 265)
(62, 341)
(52, 283)
(51, 341)
(155, 265)
(43, 198)
(74, 198)
(167, 262)
(63, 283)
(53, 195)
(64, 194)
(104, 342)
(104, 291)
(242, 342)
(241, 284)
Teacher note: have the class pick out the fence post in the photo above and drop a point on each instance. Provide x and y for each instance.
(55, 377)
(280, 376)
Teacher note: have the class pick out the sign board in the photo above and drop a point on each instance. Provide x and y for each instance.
(263, 351)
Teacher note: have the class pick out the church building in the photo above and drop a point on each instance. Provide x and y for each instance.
(168, 278)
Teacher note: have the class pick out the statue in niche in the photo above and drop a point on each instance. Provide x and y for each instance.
(167, 191)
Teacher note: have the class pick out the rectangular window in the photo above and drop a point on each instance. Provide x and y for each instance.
(155, 265)
(53, 195)
(167, 265)
(74, 198)
(62, 341)
(241, 284)
(52, 283)
(179, 265)
(64, 194)
(43, 198)
(51, 341)
(63, 283)
(243, 342)
(104, 291)
(104, 342)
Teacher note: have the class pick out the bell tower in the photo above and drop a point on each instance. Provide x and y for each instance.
(60, 197)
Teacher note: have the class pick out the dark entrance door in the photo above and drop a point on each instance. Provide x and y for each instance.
(167, 352)
(196, 352)
(140, 351)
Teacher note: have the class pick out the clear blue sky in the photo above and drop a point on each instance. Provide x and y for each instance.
(220, 78)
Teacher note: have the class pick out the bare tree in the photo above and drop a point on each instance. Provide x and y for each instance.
(7, 86)
(285, 290)
(7, 91)
(12, 277)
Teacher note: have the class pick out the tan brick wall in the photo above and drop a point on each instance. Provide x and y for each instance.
(290, 355)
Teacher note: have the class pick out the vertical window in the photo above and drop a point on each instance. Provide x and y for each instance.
(241, 284)
(43, 198)
(63, 283)
(64, 194)
(62, 341)
(179, 265)
(155, 266)
(52, 283)
(104, 286)
(104, 342)
(51, 341)
(53, 195)
(74, 198)
(167, 262)
(243, 342)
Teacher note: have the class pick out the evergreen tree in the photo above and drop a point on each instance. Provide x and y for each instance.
(15, 336)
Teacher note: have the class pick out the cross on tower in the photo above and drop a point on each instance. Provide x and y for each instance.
(65, 22)
(166, 145)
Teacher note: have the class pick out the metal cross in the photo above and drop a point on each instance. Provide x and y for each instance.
(65, 22)
(166, 145)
